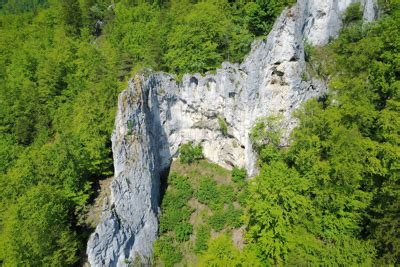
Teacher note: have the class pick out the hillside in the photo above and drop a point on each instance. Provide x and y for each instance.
(199, 133)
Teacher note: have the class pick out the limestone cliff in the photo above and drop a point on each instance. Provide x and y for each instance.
(156, 114)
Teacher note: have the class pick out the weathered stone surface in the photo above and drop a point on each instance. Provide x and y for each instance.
(156, 115)
(371, 11)
(131, 220)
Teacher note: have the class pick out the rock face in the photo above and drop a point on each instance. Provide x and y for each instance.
(156, 115)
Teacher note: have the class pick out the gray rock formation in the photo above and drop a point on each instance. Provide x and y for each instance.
(156, 115)
(371, 10)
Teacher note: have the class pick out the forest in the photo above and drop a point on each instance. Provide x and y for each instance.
(331, 198)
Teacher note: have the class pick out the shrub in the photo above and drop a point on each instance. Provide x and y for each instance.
(130, 126)
(167, 251)
(183, 231)
(223, 126)
(239, 175)
(309, 51)
(222, 252)
(207, 191)
(269, 153)
(171, 217)
(180, 183)
(189, 153)
(242, 196)
(203, 234)
(173, 199)
(226, 194)
(218, 220)
(352, 13)
(233, 217)
(267, 131)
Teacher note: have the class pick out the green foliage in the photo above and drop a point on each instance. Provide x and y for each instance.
(309, 51)
(175, 211)
(204, 29)
(223, 218)
(189, 153)
(203, 234)
(226, 194)
(35, 229)
(389, 6)
(353, 13)
(134, 32)
(218, 220)
(181, 185)
(266, 138)
(278, 203)
(19, 6)
(267, 131)
(329, 199)
(242, 195)
(239, 175)
(223, 126)
(174, 220)
(234, 217)
(184, 36)
(9, 152)
(183, 231)
(53, 136)
(260, 15)
(207, 191)
(222, 252)
(167, 251)
(213, 195)
(193, 205)
(171, 217)
(61, 63)
(72, 15)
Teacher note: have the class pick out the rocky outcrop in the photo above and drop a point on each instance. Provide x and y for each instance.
(156, 114)
(131, 220)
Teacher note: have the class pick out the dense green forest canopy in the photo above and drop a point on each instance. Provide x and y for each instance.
(62, 65)
(331, 198)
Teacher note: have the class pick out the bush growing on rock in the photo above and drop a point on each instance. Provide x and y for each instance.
(190, 153)
(223, 125)
(353, 13)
